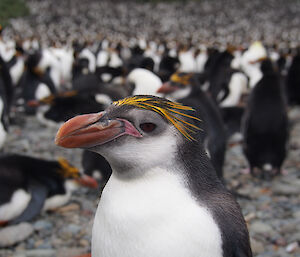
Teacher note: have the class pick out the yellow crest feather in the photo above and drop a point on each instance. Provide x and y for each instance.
(183, 79)
(167, 109)
(67, 170)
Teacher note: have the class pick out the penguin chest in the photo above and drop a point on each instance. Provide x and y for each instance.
(153, 217)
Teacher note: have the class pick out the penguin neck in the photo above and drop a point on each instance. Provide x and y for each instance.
(198, 170)
(189, 164)
(135, 171)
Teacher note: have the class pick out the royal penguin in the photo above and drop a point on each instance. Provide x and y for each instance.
(30, 185)
(167, 66)
(6, 83)
(293, 81)
(96, 166)
(35, 83)
(164, 197)
(220, 75)
(251, 61)
(16, 65)
(145, 82)
(265, 124)
(57, 108)
(4, 116)
(5, 101)
(185, 88)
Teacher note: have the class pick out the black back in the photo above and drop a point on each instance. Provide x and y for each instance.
(210, 191)
(18, 171)
(265, 122)
(6, 83)
(63, 108)
(293, 81)
(219, 74)
(167, 66)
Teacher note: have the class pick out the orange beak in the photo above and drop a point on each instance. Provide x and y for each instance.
(89, 130)
(33, 103)
(166, 88)
(87, 181)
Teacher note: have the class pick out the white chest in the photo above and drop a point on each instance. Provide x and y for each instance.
(17, 204)
(153, 217)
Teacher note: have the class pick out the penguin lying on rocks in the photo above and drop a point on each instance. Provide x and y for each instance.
(60, 107)
(29, 185)
(164, 197)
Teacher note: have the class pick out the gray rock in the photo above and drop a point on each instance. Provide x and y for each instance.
(37, 253)
(74, 229)
(256, 246)
(297, 214)
(42, 224)
(295, 237)
(260, 227)
(14, 234)
(286, 189)
(67, 252)
(288, 228)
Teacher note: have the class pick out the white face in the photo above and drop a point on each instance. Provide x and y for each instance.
(156, 147)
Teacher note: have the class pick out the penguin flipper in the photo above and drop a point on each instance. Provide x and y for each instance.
(39, 194)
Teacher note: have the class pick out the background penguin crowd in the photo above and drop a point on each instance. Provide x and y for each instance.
(58, 83)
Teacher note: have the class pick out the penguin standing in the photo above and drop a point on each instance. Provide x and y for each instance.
(5, 100)
(29, 185)
(35, 83)
(163, 197)
(145, 81)
(185, 88)
(293, 81)
(265, 124)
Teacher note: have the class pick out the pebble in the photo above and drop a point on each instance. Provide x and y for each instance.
(68, 208)
(260, 227)
(292, 247)
(286, 189)
(42, 224)
(296, 214)
(37, 253)
(257, 247)
(14, 234)
(70, 252)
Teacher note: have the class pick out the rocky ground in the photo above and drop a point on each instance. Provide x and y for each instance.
(271, 208)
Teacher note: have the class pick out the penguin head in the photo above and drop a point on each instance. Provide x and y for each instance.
(178, 86)
(134, 130)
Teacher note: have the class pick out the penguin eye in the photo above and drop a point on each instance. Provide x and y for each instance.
(147, 127)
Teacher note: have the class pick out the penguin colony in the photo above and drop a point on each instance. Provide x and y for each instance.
(242, 89)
